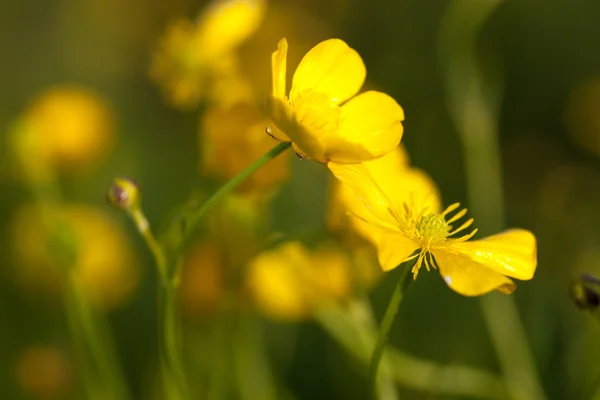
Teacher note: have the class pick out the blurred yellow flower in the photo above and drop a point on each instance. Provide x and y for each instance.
(105, 269)
(196, 60)
(70, 127)
(290, 281)
(323, 117)
(233, 138)
(402, 226)
(43, 371)
(202, 275)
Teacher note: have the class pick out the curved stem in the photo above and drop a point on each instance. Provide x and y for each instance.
(143, 227)
(227, 188)
(384, 330)
(175, 382)
(173, 370)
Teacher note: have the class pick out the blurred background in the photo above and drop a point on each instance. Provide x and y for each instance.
(171, 95)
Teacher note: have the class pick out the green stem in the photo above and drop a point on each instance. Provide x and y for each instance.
(384, 330)
(172, 366)
(175, 383)
(253, 372)
(143, 227)
(195, 218)
(168, 318)
(100, 348)
(353, 328)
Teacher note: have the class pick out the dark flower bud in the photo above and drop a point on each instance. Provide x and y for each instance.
(584, 294)
(124, 193)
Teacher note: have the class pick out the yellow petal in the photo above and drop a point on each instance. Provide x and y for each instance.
(392, 247)
(331, 68)
(310, 145)
(468, 277)
(371, 127)
(404, 184)
(511, 253)
(225, 24)
(358, 178)
(396, 160)
(279, 69)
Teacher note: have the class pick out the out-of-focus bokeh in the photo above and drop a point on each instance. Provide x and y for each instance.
(171, 94)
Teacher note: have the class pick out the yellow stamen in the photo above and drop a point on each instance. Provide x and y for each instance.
(426, 262)
(462, 227)
(417, 267)
(411, 257)
(432, 261)
(463, 238)
(458, 216)
(450, 208)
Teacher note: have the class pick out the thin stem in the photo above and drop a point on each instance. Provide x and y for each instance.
(352, 326)
(384, 330)
(195, 218)
(168, 318)
(100, 348)
(143, 227)
(172, 366)
(169, 340)
(251, 366)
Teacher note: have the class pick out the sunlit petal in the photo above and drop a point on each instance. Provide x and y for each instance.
(358, 178)
(468, 277)
(331, 68)
(511, 253)
(392, 247)
(371, 127)
(279, 69)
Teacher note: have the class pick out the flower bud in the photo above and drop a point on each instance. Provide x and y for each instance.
(584, 296)
(124, 193)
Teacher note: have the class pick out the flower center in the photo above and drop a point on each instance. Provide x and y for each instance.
(317, 112)
(432, 229)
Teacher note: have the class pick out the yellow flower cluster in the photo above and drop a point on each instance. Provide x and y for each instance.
(397, 207)
(379, 203)
(197, 60)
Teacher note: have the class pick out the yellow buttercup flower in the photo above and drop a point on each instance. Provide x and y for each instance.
(323, 116)
(402, 227)
(197, 60)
